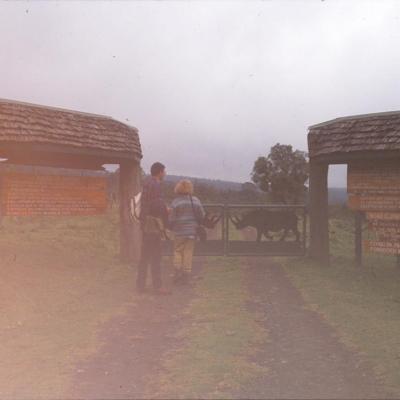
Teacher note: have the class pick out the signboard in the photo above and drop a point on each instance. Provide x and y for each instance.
(374, 202)
(29, 194)
(375, 189)
(373, 179)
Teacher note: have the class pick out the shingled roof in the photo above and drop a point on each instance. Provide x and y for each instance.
(356, 134)
(23, 123)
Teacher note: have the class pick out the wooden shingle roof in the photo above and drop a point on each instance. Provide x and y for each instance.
(356, 134)
(23, 123)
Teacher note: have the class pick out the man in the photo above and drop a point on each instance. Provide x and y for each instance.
(154, 219)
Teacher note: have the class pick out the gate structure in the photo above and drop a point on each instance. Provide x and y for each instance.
(42, 138)
(253, 230)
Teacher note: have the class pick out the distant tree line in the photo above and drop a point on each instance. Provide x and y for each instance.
(280, 177)
(213, 192)
(283, 173)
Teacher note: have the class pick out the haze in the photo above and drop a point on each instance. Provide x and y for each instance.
(210, 85)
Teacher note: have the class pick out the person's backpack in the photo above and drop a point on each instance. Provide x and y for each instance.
(136, 207)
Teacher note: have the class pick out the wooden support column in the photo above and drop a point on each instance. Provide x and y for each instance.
(129, 183)
(358, 218)
(319, 224)
(1, 200)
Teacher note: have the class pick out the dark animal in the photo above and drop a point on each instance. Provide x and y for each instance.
(210, 221)
(266, 221)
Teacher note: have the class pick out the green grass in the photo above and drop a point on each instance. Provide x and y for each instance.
(219, 340)
(363, 305)
(60, 280)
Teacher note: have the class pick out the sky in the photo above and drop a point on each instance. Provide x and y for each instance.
(211, 85)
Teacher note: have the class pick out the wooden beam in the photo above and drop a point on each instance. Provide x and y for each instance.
(56, 160)
(319, 219)
(360, 156)
(13, 149)
(358, 218)
(129, 176)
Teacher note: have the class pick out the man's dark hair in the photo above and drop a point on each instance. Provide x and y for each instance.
(156, 168)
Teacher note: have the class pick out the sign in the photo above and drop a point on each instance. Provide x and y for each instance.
(30, 194)
(375, 189)
(373, 179)
(374, 202)
(382, 247)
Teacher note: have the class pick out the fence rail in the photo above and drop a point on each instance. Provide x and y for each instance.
(253, 230)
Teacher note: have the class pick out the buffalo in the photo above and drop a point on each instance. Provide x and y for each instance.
(210, 221)
(266, 221)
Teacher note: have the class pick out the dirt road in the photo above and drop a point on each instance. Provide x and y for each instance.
(304, 356)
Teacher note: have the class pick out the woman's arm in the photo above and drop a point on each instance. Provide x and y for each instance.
(200, 213)
(172, 214)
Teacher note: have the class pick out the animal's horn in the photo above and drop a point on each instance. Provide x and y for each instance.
(235, 220)
(214, 220)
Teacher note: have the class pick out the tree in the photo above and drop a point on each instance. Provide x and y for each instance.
(283, 174)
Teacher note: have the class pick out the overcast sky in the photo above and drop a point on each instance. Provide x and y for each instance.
(210, 85)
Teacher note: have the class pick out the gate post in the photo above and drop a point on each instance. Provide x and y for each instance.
(358, 238)
(129, 185)
(319, 217)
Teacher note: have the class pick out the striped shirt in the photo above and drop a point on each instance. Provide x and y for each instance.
(184, 219)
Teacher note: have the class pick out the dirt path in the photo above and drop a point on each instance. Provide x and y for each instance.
(304, 356)
(134, 345)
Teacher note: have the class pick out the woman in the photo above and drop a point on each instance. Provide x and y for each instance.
(185, 217)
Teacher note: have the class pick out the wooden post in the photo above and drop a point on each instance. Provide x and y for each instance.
(129, 183)
(358, 217)
(1, 200)
(319, 217)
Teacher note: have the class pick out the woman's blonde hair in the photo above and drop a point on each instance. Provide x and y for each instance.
(184, 187)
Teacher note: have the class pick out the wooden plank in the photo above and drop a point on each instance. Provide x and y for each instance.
(383, 216)
(384, 247)
(375, 189)
(26, 150)
(345, 158)
(374, 202)
(373, 179)
(386, 236)
(26, 194)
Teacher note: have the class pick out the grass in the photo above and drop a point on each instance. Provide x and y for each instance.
(364, 305)
(59, 281)
(219, 341)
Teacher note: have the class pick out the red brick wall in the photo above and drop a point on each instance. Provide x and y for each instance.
(24, 194)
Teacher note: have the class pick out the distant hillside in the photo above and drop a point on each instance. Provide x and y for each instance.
(337, 195)
(215, 183)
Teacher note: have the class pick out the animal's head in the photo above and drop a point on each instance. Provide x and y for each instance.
(238, 222)
(210, 221)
